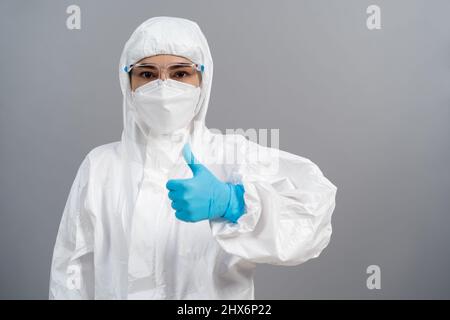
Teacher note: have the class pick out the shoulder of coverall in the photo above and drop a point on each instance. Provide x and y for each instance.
(103, 157)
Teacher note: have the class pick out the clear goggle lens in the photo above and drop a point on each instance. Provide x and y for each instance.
(183, 72)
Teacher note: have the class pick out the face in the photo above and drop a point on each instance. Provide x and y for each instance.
(141, 75)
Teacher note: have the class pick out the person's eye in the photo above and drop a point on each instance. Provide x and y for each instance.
(181, 74)
(147, 75)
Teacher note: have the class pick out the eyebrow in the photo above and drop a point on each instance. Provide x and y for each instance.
(144, 66)
(151, 64)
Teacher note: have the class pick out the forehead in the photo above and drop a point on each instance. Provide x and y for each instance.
(164, 59)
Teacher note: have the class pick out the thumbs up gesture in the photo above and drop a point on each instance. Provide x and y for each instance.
(204, 196)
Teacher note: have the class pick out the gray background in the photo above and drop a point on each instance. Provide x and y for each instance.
(371, 108)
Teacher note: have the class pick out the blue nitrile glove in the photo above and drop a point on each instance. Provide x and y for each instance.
(204, 196)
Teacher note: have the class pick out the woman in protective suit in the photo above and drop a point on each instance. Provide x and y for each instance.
(173, 210)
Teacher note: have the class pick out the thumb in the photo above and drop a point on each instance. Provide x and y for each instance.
(191, 160)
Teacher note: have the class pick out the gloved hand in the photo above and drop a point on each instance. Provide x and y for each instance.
(204, 196)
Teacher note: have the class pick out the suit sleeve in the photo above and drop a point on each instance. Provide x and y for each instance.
(288, 209)
(72, 268)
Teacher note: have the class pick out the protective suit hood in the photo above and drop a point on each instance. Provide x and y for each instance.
(163, 35)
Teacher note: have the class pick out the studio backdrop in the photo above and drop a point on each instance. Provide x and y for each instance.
(359, 87)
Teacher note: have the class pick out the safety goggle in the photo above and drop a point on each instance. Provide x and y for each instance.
(171, 67)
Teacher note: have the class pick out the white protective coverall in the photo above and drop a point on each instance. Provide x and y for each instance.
(119, 237)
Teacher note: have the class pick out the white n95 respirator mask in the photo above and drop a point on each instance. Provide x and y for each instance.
(165, 106)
